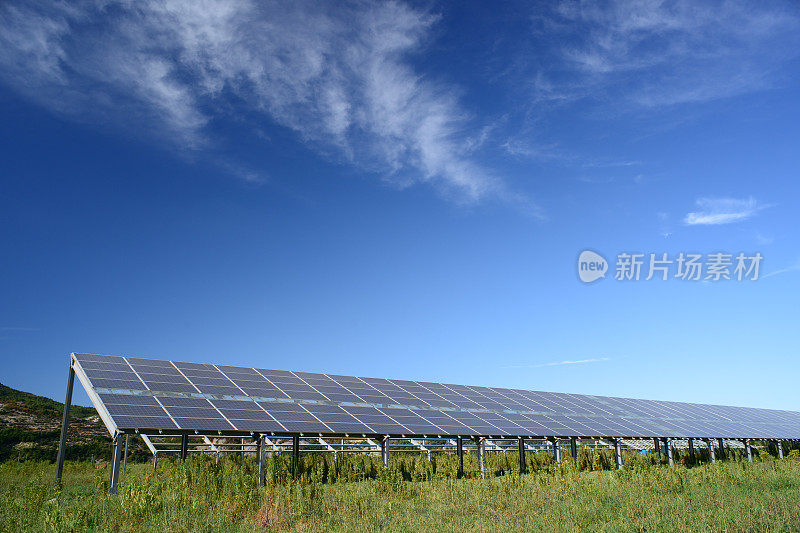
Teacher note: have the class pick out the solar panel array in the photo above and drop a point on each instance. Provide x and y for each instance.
(148, 394)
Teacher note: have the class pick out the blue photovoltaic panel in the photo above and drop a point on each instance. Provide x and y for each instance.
(160, 376)
(156, 394)
(339, 420)
(195, 413)
(136, 411)
(247, 416)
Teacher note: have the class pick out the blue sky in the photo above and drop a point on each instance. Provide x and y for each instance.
(402, 190)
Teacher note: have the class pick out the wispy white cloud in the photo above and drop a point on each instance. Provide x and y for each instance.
(651, 53)
(642, 58)
(566, 362)
(339, 76)
(715, 211)
(791, 268)
(541, 151)
(764, 240)
(552, 152)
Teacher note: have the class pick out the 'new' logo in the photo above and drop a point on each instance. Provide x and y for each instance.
(591, 266)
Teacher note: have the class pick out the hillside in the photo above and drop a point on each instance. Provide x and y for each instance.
(30, 427)
(26, 411)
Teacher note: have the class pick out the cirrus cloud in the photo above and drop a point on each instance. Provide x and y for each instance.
(650, 53)
(565, 362)
(341, 77)
(715, 211)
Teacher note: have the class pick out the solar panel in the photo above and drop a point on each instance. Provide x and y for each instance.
(137, 411)
(150, 394)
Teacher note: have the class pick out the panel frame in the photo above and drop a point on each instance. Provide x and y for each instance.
(501, 410)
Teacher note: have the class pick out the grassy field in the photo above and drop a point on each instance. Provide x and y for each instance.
(357, 494)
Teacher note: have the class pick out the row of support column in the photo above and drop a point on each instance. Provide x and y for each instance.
(120, 452)
(119, 446)
(661, 445)
(260, 453)
(711, 451)
(523, 467)
(481, 443)
(119, 455)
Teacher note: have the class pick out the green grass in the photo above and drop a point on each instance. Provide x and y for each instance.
(358, 494)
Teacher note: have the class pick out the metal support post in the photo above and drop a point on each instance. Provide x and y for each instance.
(668, 451)
(460, 452)
(748, 449)
(184, 446)
(691, 449)
(617, 453)
(711, 453)
(573, 445)
(482, 456)
(721, 448)
(155, 461)
(385, 451)
(295, 455)
(779, 444)
(556, 449)
(115, 460)
(62, 443)
(125, 457)
(522, 466)
(656, 446)
(260, 459)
